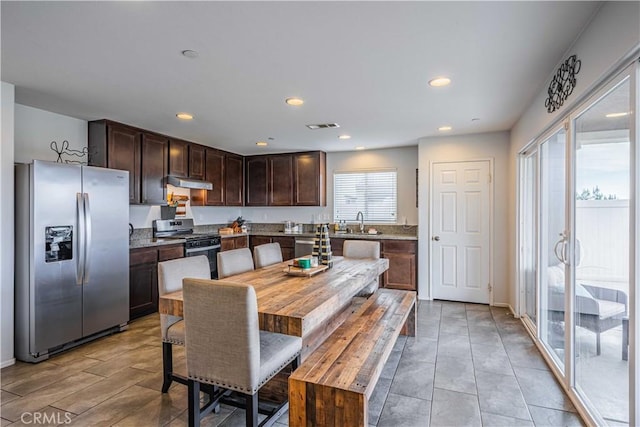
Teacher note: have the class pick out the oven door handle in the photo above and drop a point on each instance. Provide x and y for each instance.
(206, 248)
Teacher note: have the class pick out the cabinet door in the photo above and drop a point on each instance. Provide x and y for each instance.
(281, 180)
(154, 169)
(196, 161)
(259, 240)
(402, 271)
(309, 179)
(336, 246)
(242, 242)
(233, 180)
(287, 246)
(178, 158)
(214, 173)
(143, 282)
(257, 179)
(227, 243)
(123, 152)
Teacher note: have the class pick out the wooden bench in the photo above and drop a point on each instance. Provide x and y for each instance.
(333, 385)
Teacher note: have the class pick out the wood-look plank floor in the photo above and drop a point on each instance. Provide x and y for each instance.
(465, 366)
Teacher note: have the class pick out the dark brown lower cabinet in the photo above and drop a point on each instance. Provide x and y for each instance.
(402, 264)
(287, 244)
(143, 277)
(230, 243)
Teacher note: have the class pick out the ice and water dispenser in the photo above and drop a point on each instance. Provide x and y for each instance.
(58, 243)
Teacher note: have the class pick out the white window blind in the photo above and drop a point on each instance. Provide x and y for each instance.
(374, 193)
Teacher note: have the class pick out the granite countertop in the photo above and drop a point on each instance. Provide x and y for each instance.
(338, 235)
(147, 243)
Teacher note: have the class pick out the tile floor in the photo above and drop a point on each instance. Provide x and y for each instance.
(469, 365)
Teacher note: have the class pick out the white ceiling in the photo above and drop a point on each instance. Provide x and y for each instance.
(363, 65)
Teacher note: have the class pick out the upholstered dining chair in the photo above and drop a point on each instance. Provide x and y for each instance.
(363, 249)
(228, 351)
(267, 254)
(170, 275)
(235, 261)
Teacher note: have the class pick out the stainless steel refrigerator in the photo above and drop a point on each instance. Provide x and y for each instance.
(72, 256)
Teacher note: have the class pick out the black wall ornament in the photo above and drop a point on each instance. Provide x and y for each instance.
(562, 84)
(64, 150)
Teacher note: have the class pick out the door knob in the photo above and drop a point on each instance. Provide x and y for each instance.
(436, 238)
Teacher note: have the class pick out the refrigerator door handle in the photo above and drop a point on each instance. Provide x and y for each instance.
(80, 255)
(87, 216)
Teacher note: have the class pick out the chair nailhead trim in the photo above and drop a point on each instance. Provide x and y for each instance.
(238, 388)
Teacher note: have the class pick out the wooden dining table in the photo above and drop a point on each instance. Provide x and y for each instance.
(308, 307)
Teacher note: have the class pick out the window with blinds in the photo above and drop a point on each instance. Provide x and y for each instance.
(374, 193)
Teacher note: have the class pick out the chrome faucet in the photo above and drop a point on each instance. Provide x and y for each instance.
(360, 217)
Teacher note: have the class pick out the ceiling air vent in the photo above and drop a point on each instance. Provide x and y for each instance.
(324, 126)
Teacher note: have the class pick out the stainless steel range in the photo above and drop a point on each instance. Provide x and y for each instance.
(207, 244)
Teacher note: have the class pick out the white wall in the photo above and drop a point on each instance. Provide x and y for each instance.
(7, 93)
(605, 44)
(461, 148)
(36, 129)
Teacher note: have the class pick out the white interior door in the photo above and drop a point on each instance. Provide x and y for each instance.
(460, 231)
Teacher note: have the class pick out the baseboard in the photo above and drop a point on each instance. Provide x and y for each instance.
(506, 305)
(7, 363)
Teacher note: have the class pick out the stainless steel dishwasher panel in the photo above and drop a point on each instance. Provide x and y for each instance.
(304, 246)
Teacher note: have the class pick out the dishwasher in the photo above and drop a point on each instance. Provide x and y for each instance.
(304, 246)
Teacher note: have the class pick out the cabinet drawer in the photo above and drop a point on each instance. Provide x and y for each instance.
(171, 252)
(260, 240)
(402, 246)
(142, 256)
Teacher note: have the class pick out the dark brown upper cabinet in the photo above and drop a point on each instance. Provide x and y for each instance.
(116, 146)
(295, 179)
(154, 169)
(225, 171)
(186, 159)
(196, 161)
(310, 179)
(280, 180)
(257, 187)
(233, 180)
(178, 158)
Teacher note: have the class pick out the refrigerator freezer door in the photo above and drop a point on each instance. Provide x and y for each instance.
(55, 305)
(106, 273)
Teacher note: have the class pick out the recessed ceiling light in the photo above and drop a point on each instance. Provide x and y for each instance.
(296, 102)
(190, 53)
(262, 143)
(611, 115)
(344, 137)
(360, 148)
(444, 128)
(184, 116)
(439, 81)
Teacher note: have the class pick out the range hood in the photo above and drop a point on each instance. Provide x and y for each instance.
(189, 183)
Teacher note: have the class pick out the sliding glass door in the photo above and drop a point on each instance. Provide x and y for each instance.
(601, 255)
(576, 235)
(552, 233)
